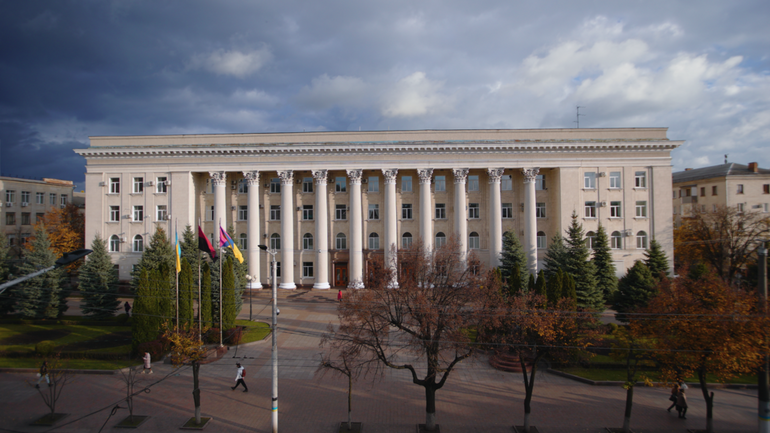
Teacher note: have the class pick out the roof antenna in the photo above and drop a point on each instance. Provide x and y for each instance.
(725, 158)
(578, 107)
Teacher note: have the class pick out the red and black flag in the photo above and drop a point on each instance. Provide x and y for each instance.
(204, 244)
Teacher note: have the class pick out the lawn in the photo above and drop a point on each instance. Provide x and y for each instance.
(85, 338)
(255, 331)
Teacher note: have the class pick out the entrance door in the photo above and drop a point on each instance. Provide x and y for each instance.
(341, 274)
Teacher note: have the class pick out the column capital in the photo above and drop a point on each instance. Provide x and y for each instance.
(390, 175)
(530, 174)
(320, 176)
(425, 175)
(252, 177)
(218, 178)
(495, 174)
(461, 174)
(287, 177)
(355, 176)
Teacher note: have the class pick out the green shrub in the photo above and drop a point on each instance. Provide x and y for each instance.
(45, 348)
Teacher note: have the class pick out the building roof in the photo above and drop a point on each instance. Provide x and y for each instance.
(724, 170)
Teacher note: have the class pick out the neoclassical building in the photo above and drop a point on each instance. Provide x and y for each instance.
(328, 200)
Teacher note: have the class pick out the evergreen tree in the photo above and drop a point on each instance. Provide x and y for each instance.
(656, 260)
(554, 287)
(144, 320)
(512, 257)
(42, 296)
(515, 284)
(531, 284)
(228, 294)
(540, 285)
(568, 289)
(159, 252)
(555, 256)
(240, 270)
(99, 283)
(205, 305)
(606, 279)
(635, 289)
(189, 247)
(186, 310)
(7, 298)
(165, 292)
(579, 267)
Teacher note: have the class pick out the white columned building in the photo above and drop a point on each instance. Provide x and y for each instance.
(530, 226)
(287, 229)
(461, 208)
(391, 218)
(426, 208)
(495, 216)
(321, 230)
(252, 183)
(219, 185)
(356, 227)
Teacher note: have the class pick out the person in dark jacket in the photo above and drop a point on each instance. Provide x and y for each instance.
(681, 404)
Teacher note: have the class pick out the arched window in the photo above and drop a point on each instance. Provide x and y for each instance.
(440, 239)
(473, 241)
(342, 241)
(540, 240)
(406, 240)
(307, 241)
(616, 242)
(243, 241)
(590, 239)
(114, 244)
(275, 241)
(138, 244)
(374, 241)
(641, 240)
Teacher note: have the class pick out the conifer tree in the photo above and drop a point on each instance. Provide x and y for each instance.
(512, 257)
(579, 267)
(606, 279)
(540, 285)
(42, 296)
(228, 294)
(554, 287)
(144, 320)
(186, 310)
(165, 292)
(656, 260)
(99, 283)
(635, 289)
(189, 247)
(515, 284)
(205, 305)
(159, 252)
(531, 284)
(568, 289)
(7, 298)
(555, 256)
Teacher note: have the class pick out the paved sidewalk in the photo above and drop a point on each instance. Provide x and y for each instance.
(476, 397)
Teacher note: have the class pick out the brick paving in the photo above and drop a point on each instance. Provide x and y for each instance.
(476, 398)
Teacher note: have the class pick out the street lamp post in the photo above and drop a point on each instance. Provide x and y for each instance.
(250, 278)
(275, 337)
(64, 260)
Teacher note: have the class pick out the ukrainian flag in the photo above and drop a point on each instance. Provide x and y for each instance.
(178, 255)
(224, 240)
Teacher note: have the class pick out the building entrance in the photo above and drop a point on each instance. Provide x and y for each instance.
(340, 274)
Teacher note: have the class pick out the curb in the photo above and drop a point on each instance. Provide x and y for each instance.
(73, 371)
(661, 384)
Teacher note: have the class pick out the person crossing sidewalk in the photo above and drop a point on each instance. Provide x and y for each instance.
(239, 378)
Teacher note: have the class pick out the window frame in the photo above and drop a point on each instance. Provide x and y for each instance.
(506, 182)
(589, 209)
(473, 182)
(307, 242)
(641, 209)
(506, 210)
(439, 240)
(541, 240)
(589, 180)
(161, 212)
(341, 241)
(439, 184)
(243, 213)
(137, 213)
(39, 198)
(373, 241)
(275, 212)
(374, 211)
(160, 185)
(615, 180)
(114, 186)
(114, 244)
(474, 211)
(340, 212)
(540, 210)
(138, 185)
(275, 242)
(275, 185)
(406, 240)
(373, 184)
(616, 240)
(406, 183)
(340, 184)
(307, 185)
(406, 211)
(641, 238)
(540, 182)
(307, 270)
(439, 211)
(137, 244)
(640, 179)
(114, 212)
(616, 209)
(307, 212)
(474, 241)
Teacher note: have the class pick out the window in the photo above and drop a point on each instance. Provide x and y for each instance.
(277, 270)
(615, 179)
(114, 214)
(26, 218)
(406, 211)
(210, 214)
(25, 196)
(641, 209)
(713, 190)
(540, 210)
(275, 185)
(541, 240)
(39, 217)
(243, 186)
(640, 179)
(243, 213)
(307, 184)
(374, 184)
(52, 199)
(590, 236)
(713, 208)
(740, 188)
(590, 209)
(540, 182)
(703, 191)
(440, 211)
(161, 186)
(473, 210)
(340, 212)
(766, 189)
(374, 241)
(440, 239)
(406, 183)
(506, 183)
(161, 212)
(589, 180)
(307, 241)
(275, 241)
(307, 212)
(138, 213)
(243, 241)
(63, 200)
(440, 184)
(340, 184)
(138, 244)
(114, 244)
(374, 211)
(740, 207)
(641, 241)
(209, 187)
(138, 185)
(275, 212)
(39, 198)
(114, 186)
(474, 242)
(507, 210)
(307, 269)
(341, 242)
(616, 242)
(764, 207)
(10, 196)
(406, 240)
(614, 209)
(473, 183)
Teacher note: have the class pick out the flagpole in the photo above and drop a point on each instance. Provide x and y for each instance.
(176, 253)
(200, 325)
(220, 287)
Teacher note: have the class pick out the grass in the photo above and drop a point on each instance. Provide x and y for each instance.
(255, 331)
(77, 364)
(13, 335)
(599, 374)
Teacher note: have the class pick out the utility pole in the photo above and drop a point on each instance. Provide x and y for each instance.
(577, 116)
(275, 337)
(763, 375)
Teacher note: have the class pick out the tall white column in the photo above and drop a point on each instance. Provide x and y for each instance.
(391, 226)
(426, 208)
(356, 279)
(530, 219)
(219, 180)
(321, 230)
(287, 229)
(461, 214)
(252, 177)
(495, 217)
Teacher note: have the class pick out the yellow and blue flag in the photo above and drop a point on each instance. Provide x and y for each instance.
(224, 240)
(178, 255)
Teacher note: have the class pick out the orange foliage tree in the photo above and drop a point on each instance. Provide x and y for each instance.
(66, 229)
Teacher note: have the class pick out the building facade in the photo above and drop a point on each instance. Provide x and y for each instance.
(328, 200)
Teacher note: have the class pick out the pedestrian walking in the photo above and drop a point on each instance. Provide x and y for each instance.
(339, 296)
(43, 374)
(239, 375)
(147, 363)
(673, 397)
(127, 307)
(681, 404)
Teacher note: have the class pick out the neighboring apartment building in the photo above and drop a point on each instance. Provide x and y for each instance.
(328, 200)
(746, 187)
(25, 201)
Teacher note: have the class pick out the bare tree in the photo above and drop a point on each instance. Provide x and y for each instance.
(429, 317)
(59, 378)
(345, 362)
(130, 376)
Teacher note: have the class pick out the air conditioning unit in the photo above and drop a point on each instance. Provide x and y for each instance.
(757, 206)
(9, 204)
(123, 239)
(627, 233)
(168, 182)
(150, 183)
(232, 208)
(102, 183)
(126, 217)
(168, 217)
(364, 180)
(24, 204)
(602, 204)
(602, 174)
(62, 206)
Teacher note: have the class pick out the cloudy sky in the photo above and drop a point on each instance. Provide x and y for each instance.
(74, 69)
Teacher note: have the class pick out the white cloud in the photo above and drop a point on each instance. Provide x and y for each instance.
(414, 95)
(325, 92)
(236, 63)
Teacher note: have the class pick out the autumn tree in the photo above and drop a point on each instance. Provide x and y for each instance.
(426, 319)
(187, 349)
(99, 283)
(606, 279)
(632, 350)
(66, 228)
